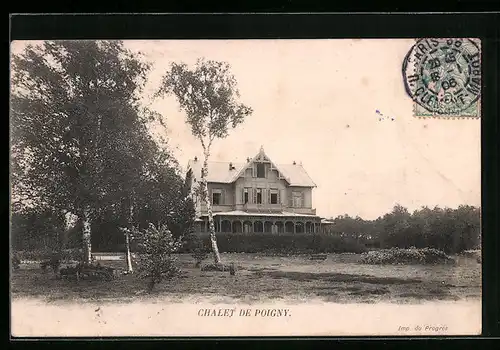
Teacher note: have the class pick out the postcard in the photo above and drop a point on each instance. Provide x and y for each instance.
(316, 187)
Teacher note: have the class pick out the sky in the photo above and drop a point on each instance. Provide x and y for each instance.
(340, 108)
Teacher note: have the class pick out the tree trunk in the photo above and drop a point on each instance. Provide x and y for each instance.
(213, 239)
(70, 221)
(127, 240)
(129, 257)
(126, 233)
(87, 243)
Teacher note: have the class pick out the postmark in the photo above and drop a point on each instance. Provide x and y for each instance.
(443, 77)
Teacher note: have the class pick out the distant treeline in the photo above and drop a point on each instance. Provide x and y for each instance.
(449, 230)
(446, 229)
(45, 229)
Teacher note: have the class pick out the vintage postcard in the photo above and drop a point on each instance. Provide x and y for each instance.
(246, 187)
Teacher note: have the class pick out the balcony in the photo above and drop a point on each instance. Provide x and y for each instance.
(216, 208)
(258, 208)
(306, 211)
(262, 208)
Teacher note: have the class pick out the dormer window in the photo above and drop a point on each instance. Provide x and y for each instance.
(261, 170)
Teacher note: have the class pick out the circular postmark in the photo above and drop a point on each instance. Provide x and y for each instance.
(443, 75)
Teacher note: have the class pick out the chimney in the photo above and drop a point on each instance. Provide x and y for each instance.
(294, 163)
(195, 159)
(231, 167)
(248, 160)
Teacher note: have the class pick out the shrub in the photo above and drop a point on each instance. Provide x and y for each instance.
(396, 256)
(195, 245)
(220, 267)
(86, 270)
(156, 261)
(54, 262)
(215, 267)
(199, 256)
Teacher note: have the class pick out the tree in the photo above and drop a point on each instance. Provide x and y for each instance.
(209, 96)
(395, 225)
(78, 130)
(468, 225)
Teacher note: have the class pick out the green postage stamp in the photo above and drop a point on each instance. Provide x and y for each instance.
(443, 77)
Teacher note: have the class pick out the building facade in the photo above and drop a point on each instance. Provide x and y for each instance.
(257, 196)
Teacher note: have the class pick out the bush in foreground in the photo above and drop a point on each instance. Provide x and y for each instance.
(156, 261)
(396, 256)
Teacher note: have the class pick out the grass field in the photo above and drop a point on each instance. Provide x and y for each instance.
(339, 279)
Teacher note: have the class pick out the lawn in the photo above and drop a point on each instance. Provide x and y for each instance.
(339, 279)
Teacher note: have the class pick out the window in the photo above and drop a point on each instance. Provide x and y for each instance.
(297, 199)
(274, 196)
(216, 197)
(259, 196)
(245, 195)
(261, 170)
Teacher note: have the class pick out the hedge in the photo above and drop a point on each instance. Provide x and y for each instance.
(298, 243)
(267, 243)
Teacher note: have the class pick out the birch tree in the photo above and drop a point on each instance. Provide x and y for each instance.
(75, 121)
(209, 96)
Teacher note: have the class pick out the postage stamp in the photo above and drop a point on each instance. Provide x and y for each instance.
(443, 77)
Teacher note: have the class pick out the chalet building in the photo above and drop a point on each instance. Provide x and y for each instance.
(256, 196)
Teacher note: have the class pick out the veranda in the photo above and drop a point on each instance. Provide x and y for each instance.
(264, 223)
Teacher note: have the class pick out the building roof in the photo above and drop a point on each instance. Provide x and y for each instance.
(296, 175)
(219, 172)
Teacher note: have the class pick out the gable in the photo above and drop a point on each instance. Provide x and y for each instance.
(228, 172)
(261, 157)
